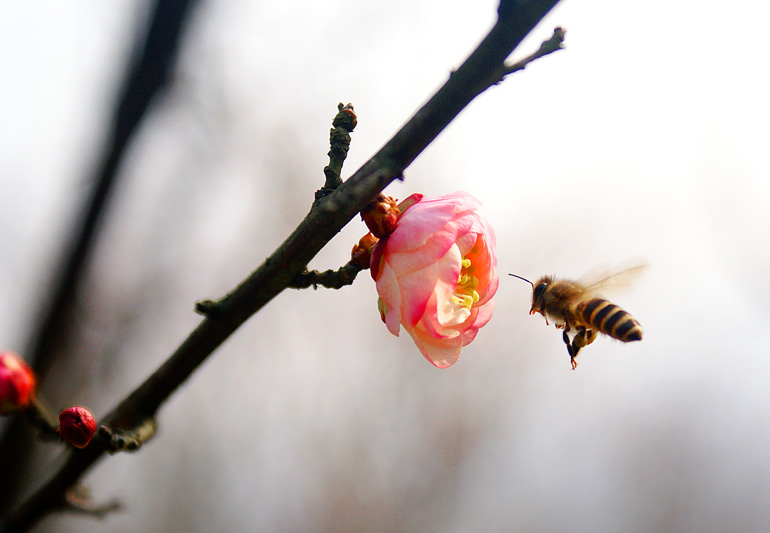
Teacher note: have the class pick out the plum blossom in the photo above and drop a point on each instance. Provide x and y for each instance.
(436, 274)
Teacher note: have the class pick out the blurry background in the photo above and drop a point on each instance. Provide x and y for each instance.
(646, 138)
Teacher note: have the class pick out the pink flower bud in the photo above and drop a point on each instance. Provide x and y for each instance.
(17, 383)
(77, 426)
(436, 274)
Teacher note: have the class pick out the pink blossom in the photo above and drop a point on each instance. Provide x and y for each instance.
(436, 274)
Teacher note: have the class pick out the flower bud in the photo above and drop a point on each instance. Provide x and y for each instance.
(17, 383)
(346, 117)
(381, 216)
(77, 426)
(362, 252)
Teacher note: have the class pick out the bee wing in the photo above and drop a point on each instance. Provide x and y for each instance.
(607, 282)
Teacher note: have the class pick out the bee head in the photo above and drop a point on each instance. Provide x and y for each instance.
(538, 292)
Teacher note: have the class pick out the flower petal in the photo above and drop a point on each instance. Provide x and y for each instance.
(441, 353)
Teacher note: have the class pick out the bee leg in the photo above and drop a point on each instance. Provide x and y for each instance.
(573, 353)
(584, 337)
(572, 349)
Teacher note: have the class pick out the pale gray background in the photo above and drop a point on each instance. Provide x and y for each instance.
(647, 138)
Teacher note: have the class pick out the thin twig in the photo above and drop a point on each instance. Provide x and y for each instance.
(40, 418)
(323, 222)
(331, 279)
(339, 140)
(554, 44)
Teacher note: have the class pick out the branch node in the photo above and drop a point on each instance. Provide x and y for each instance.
(554, 44)
(130, 441)
(209, 308)
(331, 279)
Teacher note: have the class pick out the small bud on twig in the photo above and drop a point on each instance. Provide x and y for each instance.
(362, 252)
(77, 426)
(381, 216)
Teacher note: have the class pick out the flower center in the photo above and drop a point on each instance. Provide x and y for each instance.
(465, 293)
(458, 307)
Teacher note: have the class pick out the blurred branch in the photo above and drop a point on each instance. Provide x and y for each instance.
(78, 500)
(323, 222)
(40, 418)
(148, 73)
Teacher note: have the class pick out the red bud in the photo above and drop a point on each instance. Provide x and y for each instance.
(17, 383)
(77, 426)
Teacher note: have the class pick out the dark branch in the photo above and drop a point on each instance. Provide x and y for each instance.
(324, 221)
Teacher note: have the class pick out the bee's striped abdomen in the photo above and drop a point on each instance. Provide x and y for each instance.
(610, 320)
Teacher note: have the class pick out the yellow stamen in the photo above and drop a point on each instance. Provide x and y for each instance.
(465, 294)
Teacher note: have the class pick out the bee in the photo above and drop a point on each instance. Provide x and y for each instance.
(578, 308)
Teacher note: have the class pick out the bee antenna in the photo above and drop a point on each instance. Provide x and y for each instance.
(525, 279)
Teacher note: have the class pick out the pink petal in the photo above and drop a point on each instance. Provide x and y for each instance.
(389, 292)
(424, 220)
(441, 353)
(483, 315)
(443, 289)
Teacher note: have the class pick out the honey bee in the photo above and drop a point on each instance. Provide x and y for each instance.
(576, 306)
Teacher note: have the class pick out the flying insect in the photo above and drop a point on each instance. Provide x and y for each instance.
(578, 308)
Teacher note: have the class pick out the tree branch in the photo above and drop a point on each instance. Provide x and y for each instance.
(323, 222)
